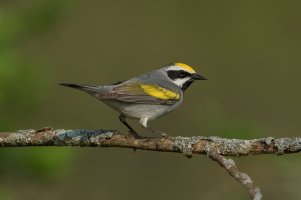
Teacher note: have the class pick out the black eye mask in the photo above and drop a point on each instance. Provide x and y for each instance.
(175, 74)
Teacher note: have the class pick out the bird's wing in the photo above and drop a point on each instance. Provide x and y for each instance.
(141, 93)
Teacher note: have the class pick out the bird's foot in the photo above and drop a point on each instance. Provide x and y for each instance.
(163, 134)
(134, 134)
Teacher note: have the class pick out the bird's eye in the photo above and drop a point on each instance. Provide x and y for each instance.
(182, 73)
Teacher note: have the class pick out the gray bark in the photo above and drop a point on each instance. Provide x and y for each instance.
(215, 147)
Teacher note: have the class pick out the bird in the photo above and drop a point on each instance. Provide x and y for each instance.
(145, 97)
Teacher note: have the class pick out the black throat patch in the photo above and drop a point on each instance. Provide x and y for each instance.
(186, 85)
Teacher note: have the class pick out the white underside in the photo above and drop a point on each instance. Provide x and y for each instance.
(143, 122)
(143, 112)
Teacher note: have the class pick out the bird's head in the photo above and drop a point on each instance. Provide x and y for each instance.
(182, 75)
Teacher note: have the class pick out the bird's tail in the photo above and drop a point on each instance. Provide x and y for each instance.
(86, 88)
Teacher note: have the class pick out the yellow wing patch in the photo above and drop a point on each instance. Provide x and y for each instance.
(159, 92)
(187, 67)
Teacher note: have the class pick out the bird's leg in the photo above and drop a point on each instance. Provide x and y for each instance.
(163, 134)
(143, 122)
(122, 119)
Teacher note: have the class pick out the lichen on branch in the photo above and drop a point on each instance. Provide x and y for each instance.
(215, 147)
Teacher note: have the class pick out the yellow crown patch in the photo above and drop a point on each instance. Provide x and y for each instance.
(187, 67)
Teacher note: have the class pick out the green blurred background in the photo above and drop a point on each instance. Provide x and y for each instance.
(249, 50)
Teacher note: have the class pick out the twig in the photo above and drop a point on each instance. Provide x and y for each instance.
(229, 165)
(215, 147)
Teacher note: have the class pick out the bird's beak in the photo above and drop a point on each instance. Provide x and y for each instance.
(198, 77)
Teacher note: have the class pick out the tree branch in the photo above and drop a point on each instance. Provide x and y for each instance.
(215, 147)
(243, 178)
